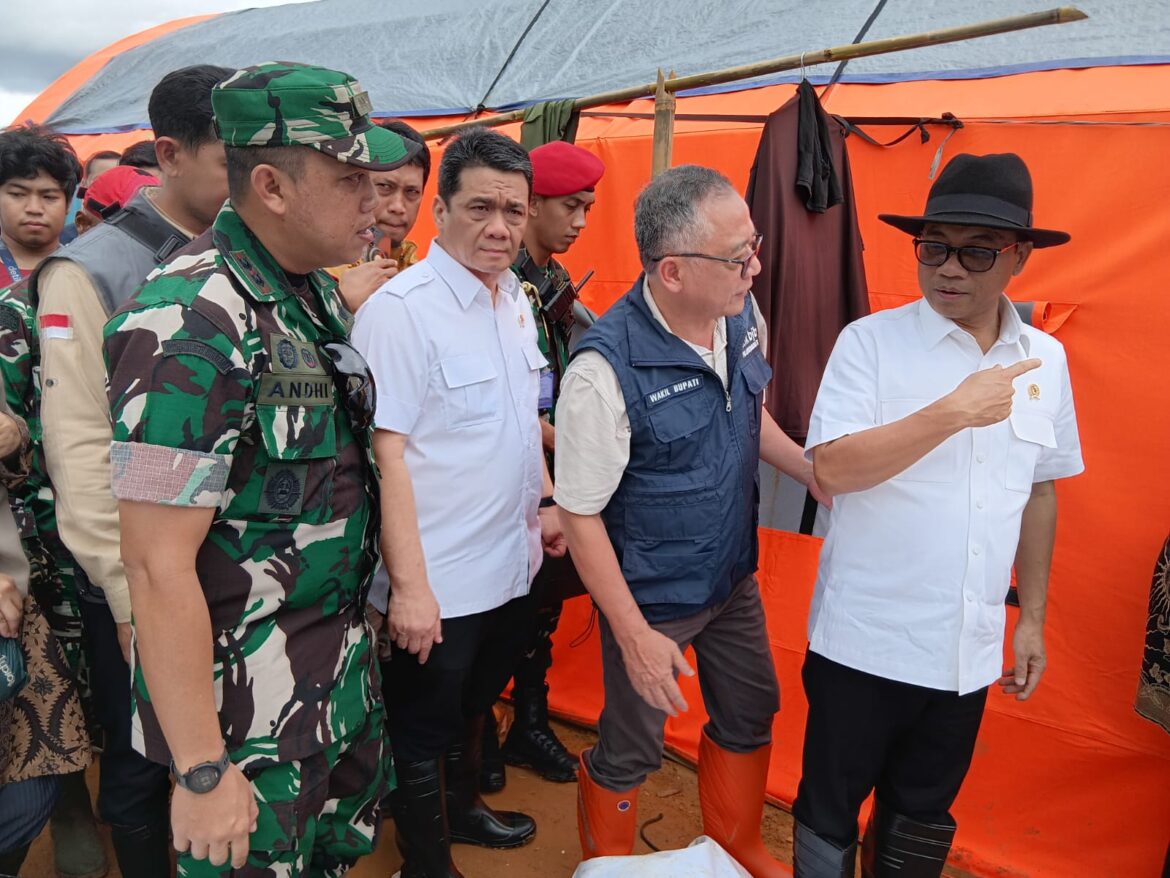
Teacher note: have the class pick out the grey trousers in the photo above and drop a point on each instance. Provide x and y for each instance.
(736, 676)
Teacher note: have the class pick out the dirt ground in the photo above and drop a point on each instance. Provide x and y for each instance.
(554, 853)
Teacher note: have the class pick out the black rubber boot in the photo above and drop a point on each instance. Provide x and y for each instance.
(532, 743)
(469, 818)
(78, 851)
(12, 860)
(420, 821)
(898, 847)
(492, 776)
(816, 857)
(143, 852)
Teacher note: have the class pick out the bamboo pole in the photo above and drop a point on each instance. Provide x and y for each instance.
(1060, 15)
(664, 103)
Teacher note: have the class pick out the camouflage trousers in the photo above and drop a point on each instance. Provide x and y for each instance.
(318, 815)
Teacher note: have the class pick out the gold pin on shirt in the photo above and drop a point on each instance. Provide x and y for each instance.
(1033, 391)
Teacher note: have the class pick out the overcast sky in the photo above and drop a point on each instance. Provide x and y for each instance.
(41, 39)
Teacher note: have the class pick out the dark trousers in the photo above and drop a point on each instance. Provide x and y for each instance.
(736, 676)
(133, 792)
(911, 744)
(25, 807)
(428, 705)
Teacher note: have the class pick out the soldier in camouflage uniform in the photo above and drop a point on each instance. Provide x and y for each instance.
(43, 169)
(53, 570)
(248, 496)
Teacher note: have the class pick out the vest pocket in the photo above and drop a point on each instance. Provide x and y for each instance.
(680, 428)
(756, 374)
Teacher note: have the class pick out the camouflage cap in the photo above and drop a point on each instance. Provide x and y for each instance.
(281, 103)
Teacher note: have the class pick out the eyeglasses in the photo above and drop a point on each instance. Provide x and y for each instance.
(744, 264)
(355, 383)
(976, 259)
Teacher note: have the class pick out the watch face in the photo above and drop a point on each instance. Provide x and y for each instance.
(203, 779)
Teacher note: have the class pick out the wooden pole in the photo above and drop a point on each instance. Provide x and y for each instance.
(1060, 15)
(664, 103)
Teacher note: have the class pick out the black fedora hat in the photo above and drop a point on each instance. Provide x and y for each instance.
(993, 191)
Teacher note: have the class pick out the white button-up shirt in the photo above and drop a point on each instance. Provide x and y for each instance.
(914, 572)
(460, 378)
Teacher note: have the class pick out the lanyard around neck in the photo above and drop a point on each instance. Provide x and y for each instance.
(15, 275)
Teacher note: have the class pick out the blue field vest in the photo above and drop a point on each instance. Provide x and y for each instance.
(683, 518)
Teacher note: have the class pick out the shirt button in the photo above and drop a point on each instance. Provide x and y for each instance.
(978, 504)
(970, 597)
(979, 458)
(974, 550)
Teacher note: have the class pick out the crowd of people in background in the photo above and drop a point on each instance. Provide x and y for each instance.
(294, 497)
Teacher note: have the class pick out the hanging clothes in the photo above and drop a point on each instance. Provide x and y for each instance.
(548, 121)
(812, 281)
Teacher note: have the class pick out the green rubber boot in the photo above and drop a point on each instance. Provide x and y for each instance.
(78, 851)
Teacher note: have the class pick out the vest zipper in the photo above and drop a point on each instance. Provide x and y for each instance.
(727, 393)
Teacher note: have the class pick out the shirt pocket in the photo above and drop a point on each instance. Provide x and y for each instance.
(538, 368)
(941, 464)
(300, 447)
(1030, 431)
(473, 391)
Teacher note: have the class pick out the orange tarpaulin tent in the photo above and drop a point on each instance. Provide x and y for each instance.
(1071, 783)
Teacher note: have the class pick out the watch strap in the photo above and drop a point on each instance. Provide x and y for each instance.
(181, 780)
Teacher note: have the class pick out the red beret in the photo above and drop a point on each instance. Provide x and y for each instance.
(110, 192)
(560, 168)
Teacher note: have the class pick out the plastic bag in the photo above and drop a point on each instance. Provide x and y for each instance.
(13, 674)
(702, 858)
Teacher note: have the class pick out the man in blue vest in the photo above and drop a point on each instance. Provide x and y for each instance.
(660, 433)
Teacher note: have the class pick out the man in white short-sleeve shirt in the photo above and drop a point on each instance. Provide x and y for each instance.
(939, 428)
(453, 350)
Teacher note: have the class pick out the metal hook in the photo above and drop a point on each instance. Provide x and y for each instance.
(802, 74)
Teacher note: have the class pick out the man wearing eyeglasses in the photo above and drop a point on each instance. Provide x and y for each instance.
(248, 496)
(661, 430)
(939, 427)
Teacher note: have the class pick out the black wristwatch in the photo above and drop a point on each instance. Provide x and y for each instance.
(202, 778)
(546, 502)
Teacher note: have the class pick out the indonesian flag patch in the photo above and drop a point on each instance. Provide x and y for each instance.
(55, 326)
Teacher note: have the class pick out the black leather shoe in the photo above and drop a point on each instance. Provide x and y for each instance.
(469, 818)
(420, 823)
(533, 744)
(492, 776)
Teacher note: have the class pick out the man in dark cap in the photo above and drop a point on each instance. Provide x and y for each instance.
(940, 427)
(563, 179)
(248, 497)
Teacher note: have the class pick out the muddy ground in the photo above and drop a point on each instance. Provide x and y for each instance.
(671, 792)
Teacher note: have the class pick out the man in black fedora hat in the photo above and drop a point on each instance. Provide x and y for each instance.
(939, 427)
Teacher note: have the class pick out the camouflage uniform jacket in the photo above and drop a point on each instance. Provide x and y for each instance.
(552, 339)
(221, 397)
(33, 502)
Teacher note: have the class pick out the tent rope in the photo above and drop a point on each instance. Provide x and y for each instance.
(877, 10)
(482, 105)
